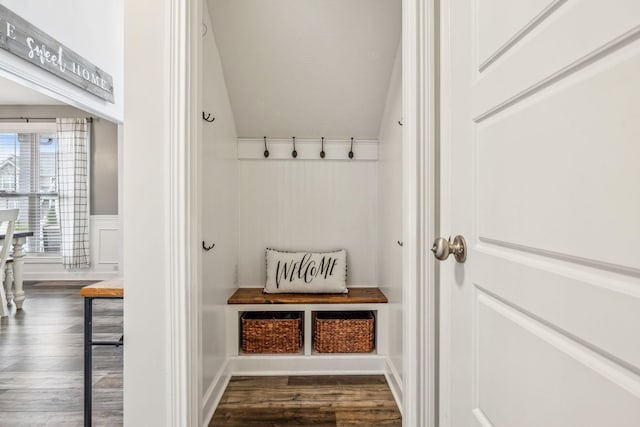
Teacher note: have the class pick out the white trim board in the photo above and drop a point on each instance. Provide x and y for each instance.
(326, 364)
(418, 205)
(307, 149)
(395, 383)
(183, 363)
(214, 393)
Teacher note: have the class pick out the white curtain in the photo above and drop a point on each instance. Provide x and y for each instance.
(73, 191)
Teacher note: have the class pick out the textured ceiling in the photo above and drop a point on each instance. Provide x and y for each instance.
(307, 68)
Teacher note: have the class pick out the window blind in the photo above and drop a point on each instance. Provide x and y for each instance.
(28, 183)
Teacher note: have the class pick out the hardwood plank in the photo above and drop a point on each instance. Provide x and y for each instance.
(109, 380)
(336, 380)
(66, 419)
(271, 417)
(241, 382)
(41, 380)
(309, 397)
(348, 417)
(355, 296)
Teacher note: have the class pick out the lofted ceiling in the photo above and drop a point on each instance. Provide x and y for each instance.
(15, 94)
(307, 68)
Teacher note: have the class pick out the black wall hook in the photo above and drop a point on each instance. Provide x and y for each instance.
(400, 243)
(207, 248)
(294, 153)
(322, 154)
(351, 150)
(266, 151)
(207, 118)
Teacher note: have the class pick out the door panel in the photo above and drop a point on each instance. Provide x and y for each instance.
(539, 168)
(600, 310)
(551, 161)
(575, 386)
(571, 37)
(495, 35)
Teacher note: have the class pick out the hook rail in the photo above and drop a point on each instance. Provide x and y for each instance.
(305, 149)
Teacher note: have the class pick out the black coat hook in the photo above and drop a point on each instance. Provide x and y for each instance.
(400, 243)
(266, 151)
(207, 248)
(294, 153)
(322, 154)
(207, 118)
(351, 150)
(400, 122)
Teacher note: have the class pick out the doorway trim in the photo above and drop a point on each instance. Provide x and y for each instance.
(184, 320)
(419, 35)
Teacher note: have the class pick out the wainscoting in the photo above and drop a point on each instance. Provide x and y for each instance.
(106, 253)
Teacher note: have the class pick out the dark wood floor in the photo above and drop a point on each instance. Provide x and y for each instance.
(327, 401)
(41, 359)
(41, 362)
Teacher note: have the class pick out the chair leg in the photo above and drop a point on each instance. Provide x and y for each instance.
(8, 284)
(3, 298)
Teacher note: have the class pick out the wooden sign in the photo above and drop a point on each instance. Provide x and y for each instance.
(31, 44)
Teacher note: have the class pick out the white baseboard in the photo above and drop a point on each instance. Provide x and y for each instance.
(395, 383)
(69, 276)
(214, 393)
(307, 365)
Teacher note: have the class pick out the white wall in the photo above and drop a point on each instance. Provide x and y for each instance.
(219, 202)
(93, 29)
(146, 171)
(308, 205)
(390, 213)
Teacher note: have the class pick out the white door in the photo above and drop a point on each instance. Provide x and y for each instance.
(541, 175)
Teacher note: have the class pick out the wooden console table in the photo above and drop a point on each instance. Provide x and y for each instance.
(108, 289)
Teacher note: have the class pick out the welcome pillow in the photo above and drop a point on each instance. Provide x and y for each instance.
(306, 272)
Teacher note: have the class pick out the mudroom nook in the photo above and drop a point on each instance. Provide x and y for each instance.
(302, 168)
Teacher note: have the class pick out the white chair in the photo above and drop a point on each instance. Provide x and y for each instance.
(9, 217)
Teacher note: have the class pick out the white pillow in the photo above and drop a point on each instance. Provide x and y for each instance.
(306, 272)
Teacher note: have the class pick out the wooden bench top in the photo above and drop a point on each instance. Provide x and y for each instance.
(106, 289)
(355, 296)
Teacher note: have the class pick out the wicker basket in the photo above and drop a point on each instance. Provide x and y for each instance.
(343, 331)
(271, 332)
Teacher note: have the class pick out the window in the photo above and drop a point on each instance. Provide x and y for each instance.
(28, 182)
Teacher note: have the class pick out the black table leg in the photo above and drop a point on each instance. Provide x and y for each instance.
(88, 359)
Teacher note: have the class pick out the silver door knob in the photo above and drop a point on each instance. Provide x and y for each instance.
(442, 248)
